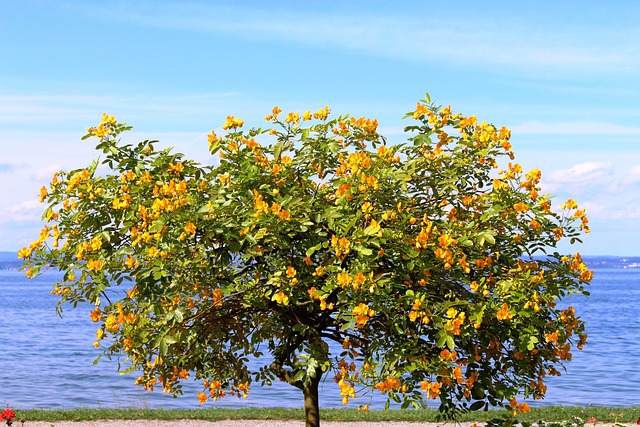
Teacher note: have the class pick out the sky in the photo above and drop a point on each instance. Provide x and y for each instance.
(563, 76)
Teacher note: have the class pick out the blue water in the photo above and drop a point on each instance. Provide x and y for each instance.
(47, 362)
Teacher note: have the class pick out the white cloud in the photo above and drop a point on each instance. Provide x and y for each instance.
(604, 211)
(573, 128)
(79, 112)
(633, 176)
(29, 210)
(580, 173)
(45, 174)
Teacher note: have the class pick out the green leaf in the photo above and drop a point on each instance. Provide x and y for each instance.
(476, 406)
(441, 337)
(299, 375)
(450, 343)
(364, 251)
(156, 226)
(277, 150)
(489, 238)
(313, 249)
(169, 339)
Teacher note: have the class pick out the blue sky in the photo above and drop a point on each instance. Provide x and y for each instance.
(563, 76)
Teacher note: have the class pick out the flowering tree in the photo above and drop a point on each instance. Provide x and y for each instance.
(416, 258)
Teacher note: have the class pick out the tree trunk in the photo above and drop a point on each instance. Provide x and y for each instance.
(311, 402)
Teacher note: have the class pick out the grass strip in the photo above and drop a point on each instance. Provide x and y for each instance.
(546, 413)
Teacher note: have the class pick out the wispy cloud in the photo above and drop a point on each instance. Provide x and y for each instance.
(415, 33)
(580, 173)
(603, 211)
(29, 210)
(633, 176)
(573, 128)
(600, 187)
(56, 109)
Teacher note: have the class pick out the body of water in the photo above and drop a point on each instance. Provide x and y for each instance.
(47, 361)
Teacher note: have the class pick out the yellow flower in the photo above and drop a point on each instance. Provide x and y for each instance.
(533, 176)
(190, 228)
(96, 314)
(95, 264)
(107, 119)
(498, 184)
(342, 245)
(432, 389)
(224, 179)
(292, 118)
(276, 208)
(322, 114)
(445, 241)
(212, 138)
(359, 279)
(24, 253)
(176, 167)
(504, 313)
(260, 205)
(520, 207)
(96, 244)
(232, 123)
(552, 337)
(284, 215)
(43, 194)
(281, 298)
(346, 390)
(111, 324)
(291, 272)
(343, 279)
(569, 204)
(362, 313)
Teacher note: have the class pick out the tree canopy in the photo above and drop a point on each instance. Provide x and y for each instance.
(431, 264)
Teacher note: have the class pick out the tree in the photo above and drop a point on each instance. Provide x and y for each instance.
(433, 270)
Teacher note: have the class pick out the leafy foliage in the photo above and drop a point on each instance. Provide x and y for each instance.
(432, 269)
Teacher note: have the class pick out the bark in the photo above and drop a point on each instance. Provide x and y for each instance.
(311, 402)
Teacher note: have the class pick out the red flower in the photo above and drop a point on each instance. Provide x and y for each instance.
(7, 414)
(638, 422)
(592, 419)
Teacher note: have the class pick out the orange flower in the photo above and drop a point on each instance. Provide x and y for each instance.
(190, 228)
(504, 313)
(285, 215)
(281, 298)
(291, 272)
(232, 123)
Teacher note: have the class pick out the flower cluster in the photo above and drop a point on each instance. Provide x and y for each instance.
(8, 415)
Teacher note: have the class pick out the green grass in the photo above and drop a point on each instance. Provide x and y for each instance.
(547, 413)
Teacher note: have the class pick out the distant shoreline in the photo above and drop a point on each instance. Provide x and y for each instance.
(10, 261)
